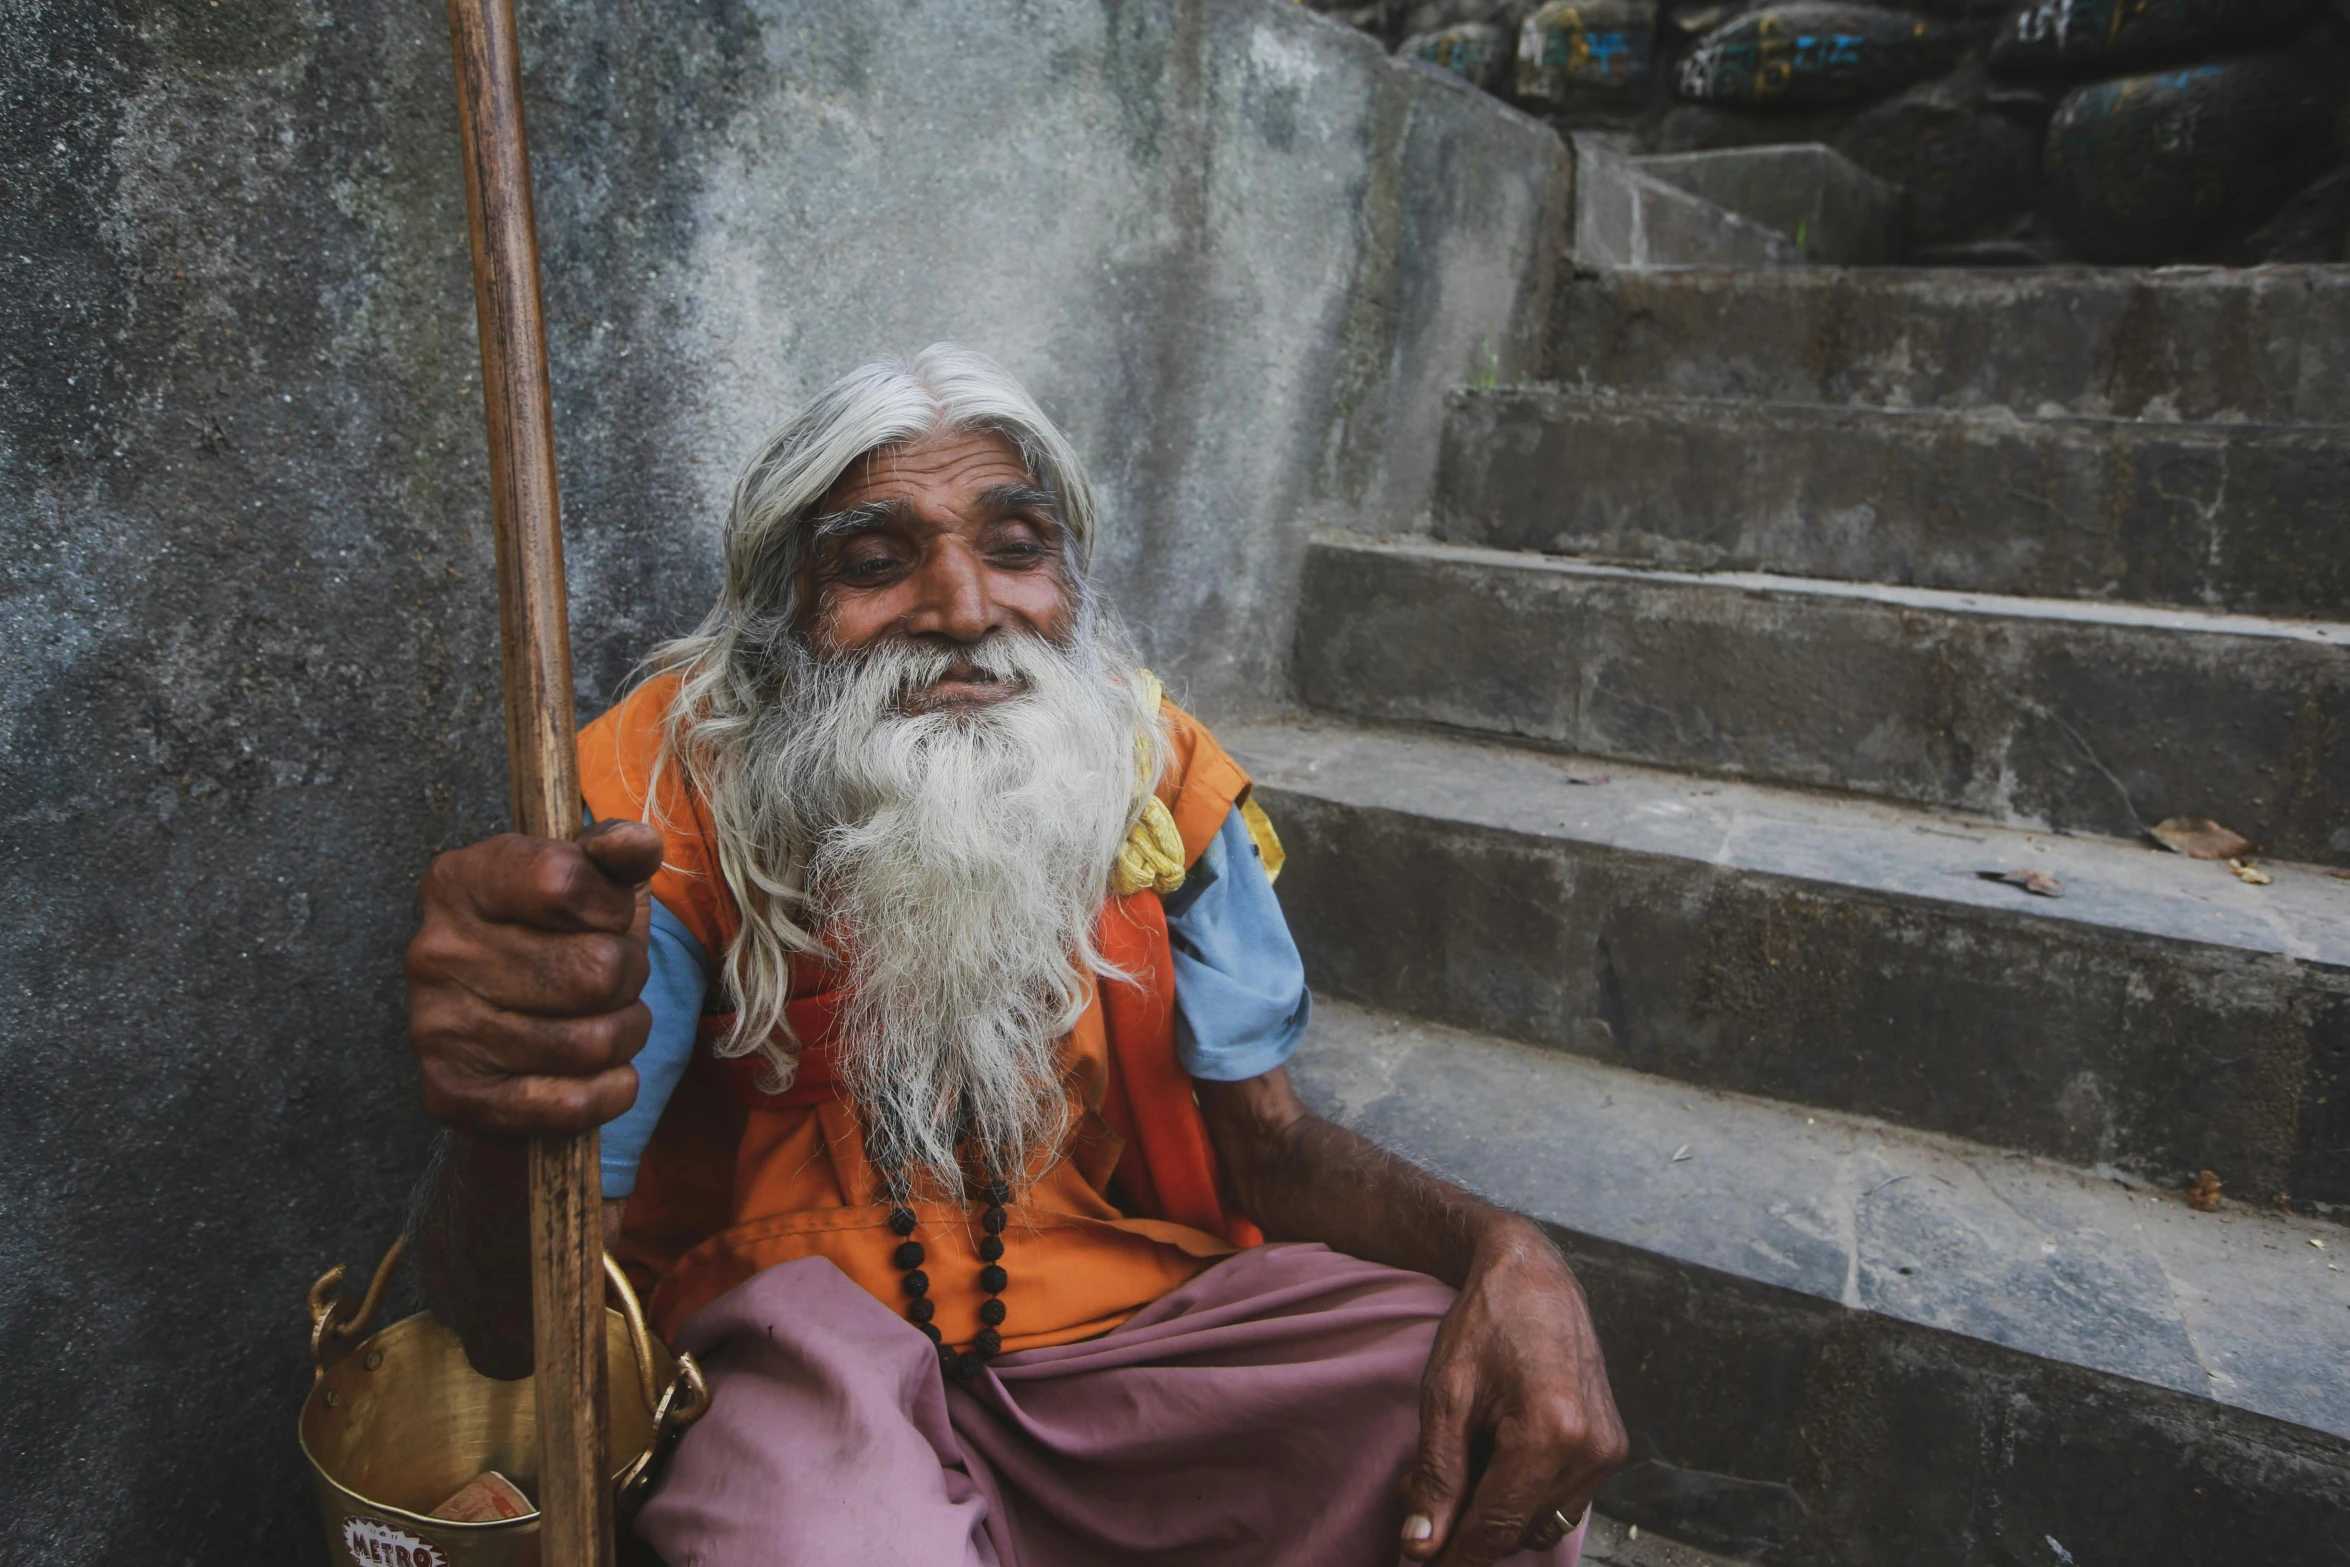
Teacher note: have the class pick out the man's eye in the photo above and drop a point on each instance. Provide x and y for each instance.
(868, 568)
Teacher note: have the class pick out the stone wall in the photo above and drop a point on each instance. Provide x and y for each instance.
(251, 682)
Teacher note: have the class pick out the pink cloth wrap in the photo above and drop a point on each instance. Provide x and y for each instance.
(1261, 1413)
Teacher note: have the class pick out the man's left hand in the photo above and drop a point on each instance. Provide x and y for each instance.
(1515, 1380)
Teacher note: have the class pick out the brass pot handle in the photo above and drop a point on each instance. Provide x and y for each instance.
(685, 1401)
(640, 1339)
(679, 1405)
(336, 1324)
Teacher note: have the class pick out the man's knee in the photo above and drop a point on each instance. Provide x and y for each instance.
(827, 1438)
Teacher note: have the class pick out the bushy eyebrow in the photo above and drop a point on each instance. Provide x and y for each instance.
(1004, 499)
(856, 519)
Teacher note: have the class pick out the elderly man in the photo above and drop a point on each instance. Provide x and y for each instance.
(922, 967)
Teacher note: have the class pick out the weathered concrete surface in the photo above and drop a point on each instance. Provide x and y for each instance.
(2161, 1017)
(1625, 218)
(2082, 717)
(2185, 343)
(2244, 517)
(1949, 1356)
(1836, 212)
(1612, 1542)
(251, 683)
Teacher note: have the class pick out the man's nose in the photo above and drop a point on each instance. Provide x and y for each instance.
(952, 595)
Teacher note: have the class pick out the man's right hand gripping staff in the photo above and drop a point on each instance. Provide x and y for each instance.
(523, 1009)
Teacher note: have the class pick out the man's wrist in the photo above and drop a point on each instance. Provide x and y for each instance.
(472, 1239)
(1502, 1239)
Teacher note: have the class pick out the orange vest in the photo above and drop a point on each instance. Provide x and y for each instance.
(736, 1180)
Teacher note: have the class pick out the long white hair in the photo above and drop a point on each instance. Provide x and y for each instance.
(805, 773)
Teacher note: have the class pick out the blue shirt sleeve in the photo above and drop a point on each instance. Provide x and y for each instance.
(1240, 988)
(673, 994)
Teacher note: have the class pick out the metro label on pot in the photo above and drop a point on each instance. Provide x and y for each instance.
(379, 1544)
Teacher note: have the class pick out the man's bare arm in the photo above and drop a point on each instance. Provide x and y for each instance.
(471, 1236)
(1301, 1177)
(472, 1244)
(1516, 1366)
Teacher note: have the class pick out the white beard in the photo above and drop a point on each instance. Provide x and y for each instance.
(957, 862)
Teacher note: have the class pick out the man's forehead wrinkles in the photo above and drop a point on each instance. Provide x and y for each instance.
(954, 461)
(918, 470)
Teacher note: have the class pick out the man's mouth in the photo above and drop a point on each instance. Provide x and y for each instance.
(962, 685)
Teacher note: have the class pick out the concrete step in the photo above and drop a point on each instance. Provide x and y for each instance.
(1934, 1354)
(1621, 1542)
(2062, 714)
(2160, 1017)
(2240, 516)
(2260, 344)
(1625, 218)
(1834, 210)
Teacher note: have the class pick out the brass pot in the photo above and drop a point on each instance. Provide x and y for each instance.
(398, 1421)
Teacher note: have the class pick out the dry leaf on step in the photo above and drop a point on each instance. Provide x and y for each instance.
(2199, 838)
(2038, 883)
(2203, 1193)
(2251, 873)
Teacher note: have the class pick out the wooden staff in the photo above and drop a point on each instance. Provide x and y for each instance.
(566, 1234)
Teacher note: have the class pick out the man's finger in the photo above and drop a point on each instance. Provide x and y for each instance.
(517, 969)
(537, 1106)
(1551, 1525)
(568, 1106)
(468, 1042)
(535, 882)
(1440, 1473)
(627, 852)
(1517, 1489)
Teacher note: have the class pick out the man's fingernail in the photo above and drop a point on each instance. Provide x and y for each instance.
(1417, 1528)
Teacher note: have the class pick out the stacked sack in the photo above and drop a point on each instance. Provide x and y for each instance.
(2183, 124)
(2100, 130)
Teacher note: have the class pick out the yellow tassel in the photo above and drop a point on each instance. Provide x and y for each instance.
(1153, 852)
(1261, 833)
(1152, 855)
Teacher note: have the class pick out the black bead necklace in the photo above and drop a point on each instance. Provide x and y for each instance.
(988, 1342)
